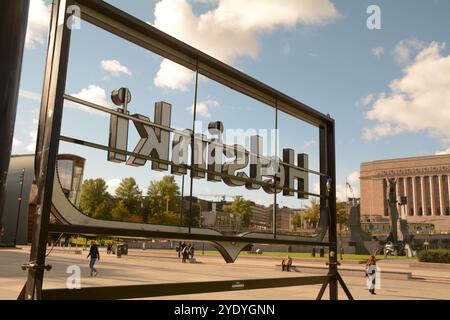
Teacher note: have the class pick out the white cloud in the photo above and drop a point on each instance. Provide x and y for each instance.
(31, 147)
(114, 67)
(286, 49)
(341, 191)
(30, 95)
(309, 143)
(32, 134)
(417, 102)
(173, 76)
(378, 51)
(112, 185)
(403, 50)
(365, 101)
(443, 152)
(353, 178)
(17, 143)
(203, 107)
(38, 23)
(94, 94)
(231, 29)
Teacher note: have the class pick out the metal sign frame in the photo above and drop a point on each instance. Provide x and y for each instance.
(115, 21)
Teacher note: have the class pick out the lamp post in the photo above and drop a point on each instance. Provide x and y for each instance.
(22, 176)
(13, 27)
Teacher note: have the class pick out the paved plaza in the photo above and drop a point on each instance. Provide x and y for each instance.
(162, 266)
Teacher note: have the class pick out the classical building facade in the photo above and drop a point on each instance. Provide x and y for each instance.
(424, 181)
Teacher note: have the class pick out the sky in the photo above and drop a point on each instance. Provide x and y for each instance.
(387, 87)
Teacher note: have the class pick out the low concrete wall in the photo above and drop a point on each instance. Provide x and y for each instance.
(350, 272)
(430, 265)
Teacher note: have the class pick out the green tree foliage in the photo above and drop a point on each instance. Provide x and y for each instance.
(120, 212)
(103, 211)
(297, 220)
(341, 213)
(129, 194)
(93, 195)
(163, 195)
(241, 209)
(312, 212)
(165, 218)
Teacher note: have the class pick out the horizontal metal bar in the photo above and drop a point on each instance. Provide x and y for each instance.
(130, 233)
(173, 289)
(169, 129)
(129, 153)
(146, 36)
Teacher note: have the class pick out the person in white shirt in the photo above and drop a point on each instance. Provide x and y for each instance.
(371, 271)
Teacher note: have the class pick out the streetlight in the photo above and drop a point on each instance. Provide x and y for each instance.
(22, 176)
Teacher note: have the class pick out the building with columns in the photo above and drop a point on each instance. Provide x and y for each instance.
(424, 181)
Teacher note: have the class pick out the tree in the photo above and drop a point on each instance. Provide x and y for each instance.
(341, 213)
(165, 218)
(312, 212)
(129, 194)
(241, 209)
(297, 220)
(93, 195)
(163, 196)
(120, 212)
(103, 211)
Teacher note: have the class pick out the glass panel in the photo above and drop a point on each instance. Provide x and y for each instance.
(230, 205)
(298, 213)
(65, 168)
(125, 188)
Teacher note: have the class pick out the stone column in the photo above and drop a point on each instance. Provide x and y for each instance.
(405, 192)
(415, 200)
(424, 196)
(397, 195)
(432, 196)
(448, 186)
(441, 194)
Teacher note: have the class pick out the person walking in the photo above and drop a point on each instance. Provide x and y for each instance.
(192, 251)
(371, 271)
(181, 250)
(94, 255)
(185, 254)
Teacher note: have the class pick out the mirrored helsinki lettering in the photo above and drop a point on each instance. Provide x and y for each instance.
(208, 160)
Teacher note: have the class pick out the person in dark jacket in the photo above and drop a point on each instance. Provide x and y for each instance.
(182, 246)
(185, 254)
(94, 255)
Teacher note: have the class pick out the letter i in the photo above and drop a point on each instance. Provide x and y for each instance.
(118, 126)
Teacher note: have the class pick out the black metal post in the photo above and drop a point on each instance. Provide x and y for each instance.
(181, 212)
(193, 148)
(332, 230)
(341, 248)
(182, 201)
(22, 176)
(48, 141)
(274, 213)
(13, 27)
